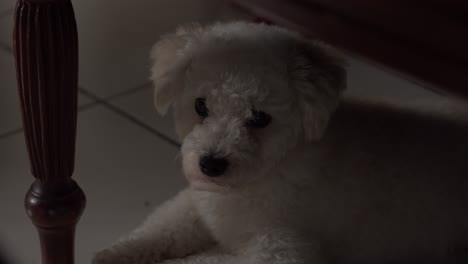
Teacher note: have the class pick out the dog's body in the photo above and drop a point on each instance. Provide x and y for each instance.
(379, 186)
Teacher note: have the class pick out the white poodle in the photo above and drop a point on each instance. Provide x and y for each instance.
(274, 180)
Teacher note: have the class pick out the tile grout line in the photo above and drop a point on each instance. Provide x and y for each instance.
(95, 102)
(133, 90)
(86, 106)
(6, 48)
(130, 117)
(11, 132)
(20, 129)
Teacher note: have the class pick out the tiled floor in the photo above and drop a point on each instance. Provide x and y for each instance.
(126, 153)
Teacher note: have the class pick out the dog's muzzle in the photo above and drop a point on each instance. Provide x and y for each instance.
(213, 167)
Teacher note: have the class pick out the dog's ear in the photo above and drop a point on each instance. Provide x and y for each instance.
(318, 78)
(170, 58)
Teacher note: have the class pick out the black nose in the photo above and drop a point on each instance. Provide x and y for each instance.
(213, 167)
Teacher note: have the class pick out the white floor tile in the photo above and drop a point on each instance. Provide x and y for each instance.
(140, 105)
(371, 82)
(10, 112)
(6, 5)
(6, 28)
(124, 170)
(116, 37)
(17, 235)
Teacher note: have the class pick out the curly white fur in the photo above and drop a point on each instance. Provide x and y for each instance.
(366, 191)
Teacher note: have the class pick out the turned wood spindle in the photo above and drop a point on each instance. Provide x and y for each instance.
(46, 53)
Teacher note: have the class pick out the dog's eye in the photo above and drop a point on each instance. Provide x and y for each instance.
(200, 107)
(259, 119)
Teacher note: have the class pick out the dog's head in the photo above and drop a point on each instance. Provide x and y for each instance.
(244, 95)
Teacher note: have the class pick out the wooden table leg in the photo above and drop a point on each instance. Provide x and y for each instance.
(46, 52)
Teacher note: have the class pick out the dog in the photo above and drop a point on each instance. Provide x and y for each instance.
(282, 170)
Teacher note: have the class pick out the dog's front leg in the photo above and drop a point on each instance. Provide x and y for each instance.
(174, 230)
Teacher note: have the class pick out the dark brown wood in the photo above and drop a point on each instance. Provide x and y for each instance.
(46, 52)
(424, 40)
